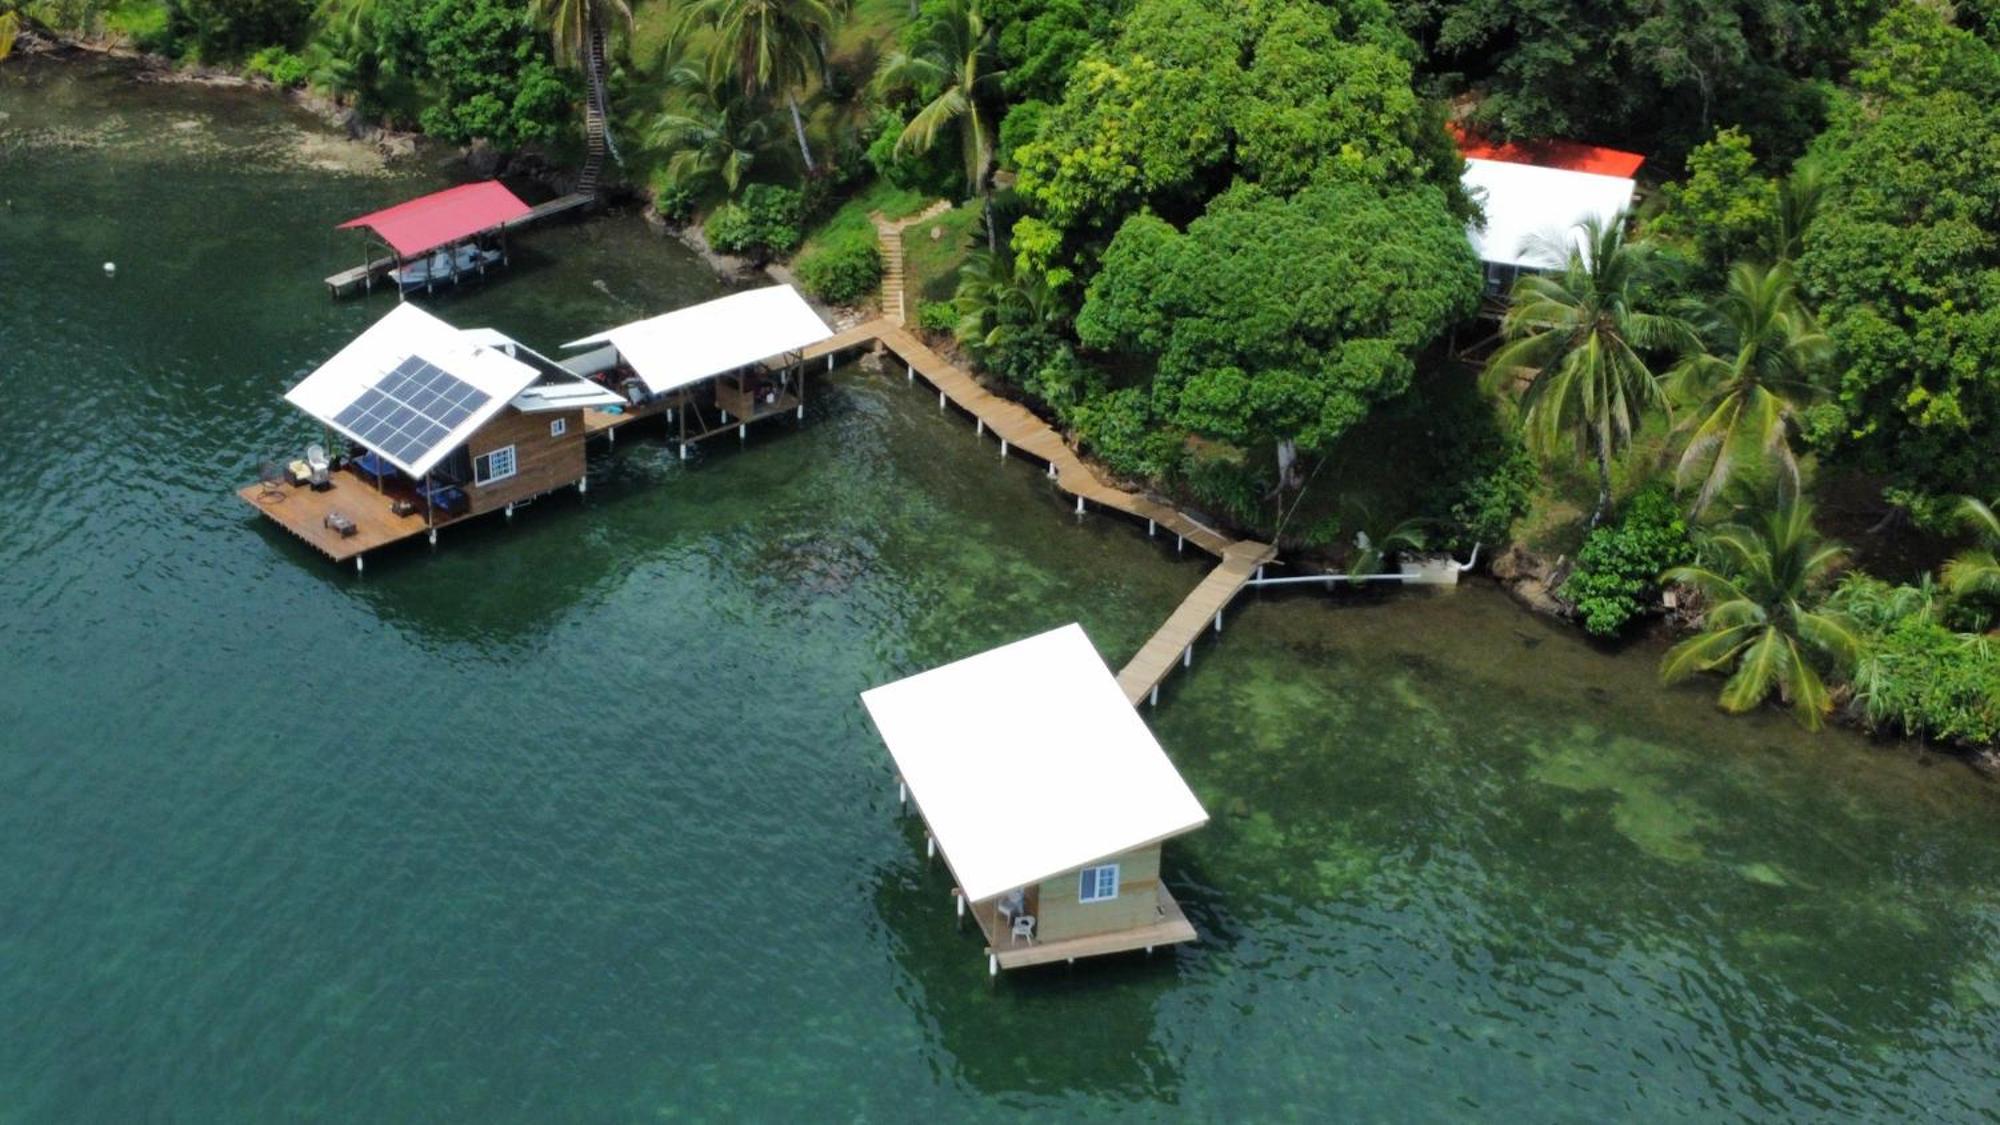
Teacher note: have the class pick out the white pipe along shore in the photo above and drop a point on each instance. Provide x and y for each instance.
(1329, 579)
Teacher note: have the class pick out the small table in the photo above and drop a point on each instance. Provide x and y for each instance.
(340, 524)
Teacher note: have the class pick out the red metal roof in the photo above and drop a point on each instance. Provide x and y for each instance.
(442, 217)
(1570, 156)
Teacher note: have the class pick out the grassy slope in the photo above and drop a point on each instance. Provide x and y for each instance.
(930, 265)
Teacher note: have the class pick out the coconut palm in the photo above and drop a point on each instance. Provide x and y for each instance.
(995, 302)
(576, 31)
(1761, 626)
(955, 64)
(1974, 572)
(1761, 363)
(10, 28)
(1799, 196)
(769, 47)
(1581, 338)
(710, 135)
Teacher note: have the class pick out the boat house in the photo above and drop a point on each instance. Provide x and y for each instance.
(435, 239)
(1539, 193)
(1047, 796)
(435, 425)
(709, 368)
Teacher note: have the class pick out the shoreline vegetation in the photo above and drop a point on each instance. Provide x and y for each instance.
(1238, 278)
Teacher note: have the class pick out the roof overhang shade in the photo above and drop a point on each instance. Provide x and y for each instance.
(407, 332)
(1525, 203)
(683, 347)
(1570, 156)
(1027, 761)
(441, 218)
(558, 388)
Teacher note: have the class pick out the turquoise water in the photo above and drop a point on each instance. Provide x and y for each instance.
(578, 818)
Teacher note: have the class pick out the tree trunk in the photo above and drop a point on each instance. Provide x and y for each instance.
(799, 127)
(1603, 484)
(1288, 464)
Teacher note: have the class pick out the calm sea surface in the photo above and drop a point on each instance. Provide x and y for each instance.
(578, 818)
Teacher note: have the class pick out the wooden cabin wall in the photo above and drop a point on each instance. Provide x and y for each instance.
(541, 463)
(1058, 914)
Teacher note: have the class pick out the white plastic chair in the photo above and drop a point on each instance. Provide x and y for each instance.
(1024, 927)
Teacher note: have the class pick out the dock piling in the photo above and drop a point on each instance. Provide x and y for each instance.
(1003, 449)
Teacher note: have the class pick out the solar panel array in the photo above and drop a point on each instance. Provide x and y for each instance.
(410, 410)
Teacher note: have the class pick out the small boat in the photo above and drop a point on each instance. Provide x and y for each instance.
(446, 266)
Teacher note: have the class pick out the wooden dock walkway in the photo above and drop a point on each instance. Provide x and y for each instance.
(1174, 641)
(1018, 428)
(346, 280)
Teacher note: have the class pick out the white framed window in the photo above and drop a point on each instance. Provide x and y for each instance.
(495, 466)
(558, 427)
(1097, 884)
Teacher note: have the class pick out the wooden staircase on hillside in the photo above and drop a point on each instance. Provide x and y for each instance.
(597, 137)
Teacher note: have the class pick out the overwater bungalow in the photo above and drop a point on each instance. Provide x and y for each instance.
(710, 368)
(1538, 191)
(437, 425)
(1046, 795)
(434, 239)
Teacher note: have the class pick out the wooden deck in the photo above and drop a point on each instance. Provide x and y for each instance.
(1173, 928)
(1174, 641)
(303, 511)
(363, 276)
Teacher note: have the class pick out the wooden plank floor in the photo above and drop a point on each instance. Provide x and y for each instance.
(1196, 612)
(1173, 928)
(302, 511)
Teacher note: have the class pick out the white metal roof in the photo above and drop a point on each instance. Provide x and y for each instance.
(1028, 761)
(560, 388)
(1526, 201)
(405, 332)
(687, 345)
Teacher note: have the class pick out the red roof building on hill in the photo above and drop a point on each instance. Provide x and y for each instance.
(443, 217)
(1568, 156)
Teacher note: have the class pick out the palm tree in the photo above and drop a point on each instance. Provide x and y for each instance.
(1760, 366)
(577, 30)
(1799, 196)
(1377, 539)
(10, 28)
(996, 303)
(1760, 624)
(710, 135)
(1974, 572)
(771, 47)
(1581, 338)
(956, 65)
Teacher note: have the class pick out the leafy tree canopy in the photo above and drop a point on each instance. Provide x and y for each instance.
(1904, 257)
(1193, 96)
(1283, 319)
(486, 64)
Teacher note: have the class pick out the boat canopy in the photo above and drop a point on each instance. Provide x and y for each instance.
(442, 217)
(685, 346)
(1027, 761)
(412, 388)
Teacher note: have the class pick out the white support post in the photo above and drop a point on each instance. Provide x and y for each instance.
(1260, 574)
(802, 412)
(979, 429)
(1180, 544)
(910, 372)
(724, 413)
(742, 433)
(992, 964)
(959, 896)
(829, 363)
(1218, 621)
(1003, 449)
(940, 399)
(611, 435)
(902, 793)
(510, 511)
(583, 486)
(1187, 657)
(1149, 529)
(684, 451)
(1154, 701)
(433, 536)
(1079, 505)
(357, 564)
(930, 846)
